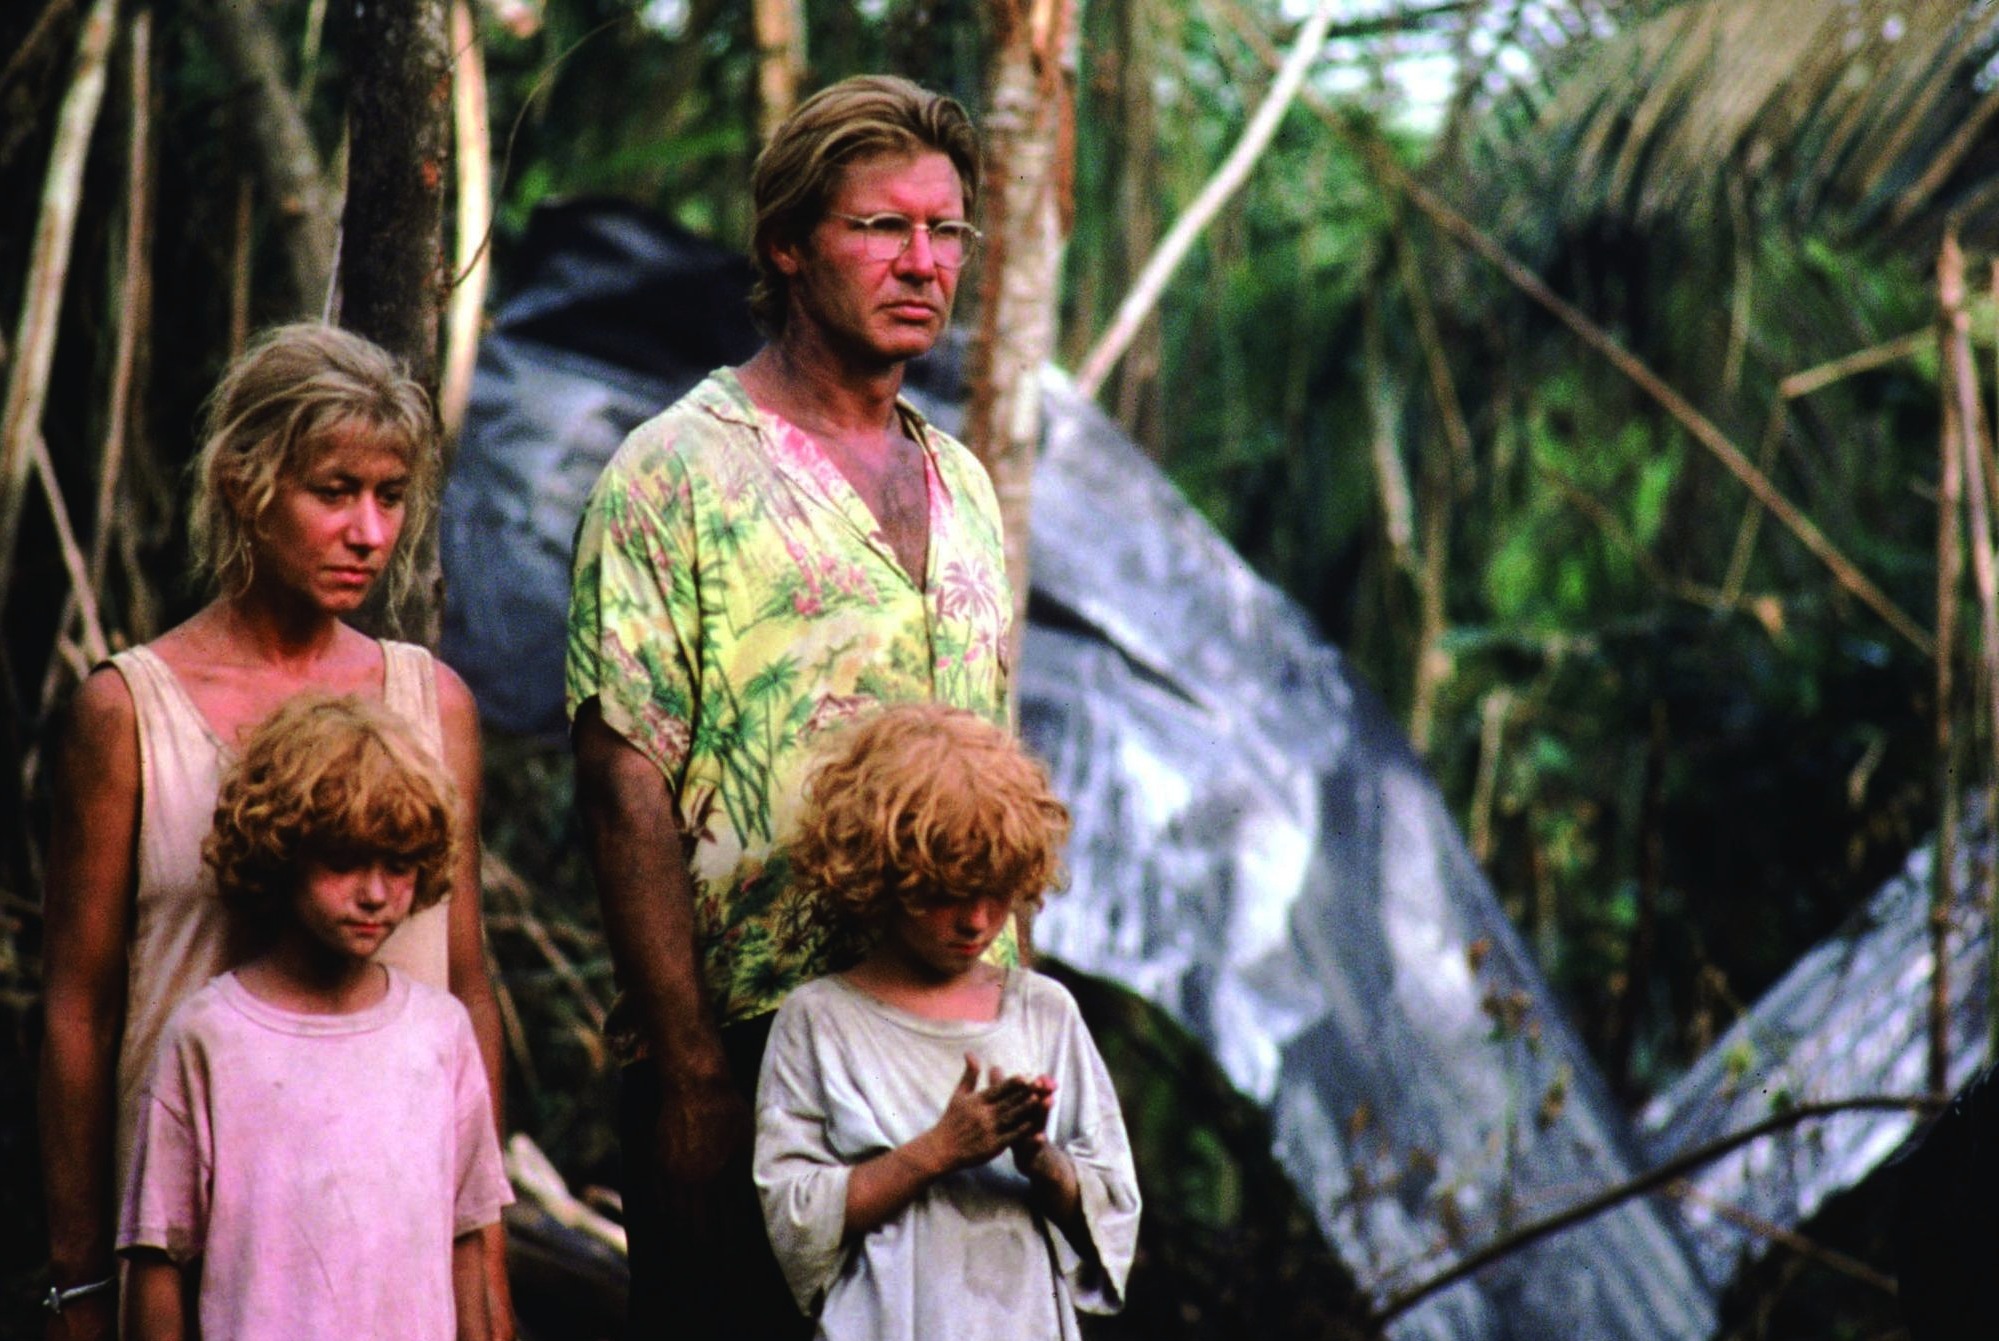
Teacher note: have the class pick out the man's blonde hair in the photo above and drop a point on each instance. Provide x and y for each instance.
(799, 170)
(926, 799)
(328, 777)
(269, 419)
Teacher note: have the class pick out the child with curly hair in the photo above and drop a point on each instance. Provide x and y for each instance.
(939, 1150)
(315, 1153)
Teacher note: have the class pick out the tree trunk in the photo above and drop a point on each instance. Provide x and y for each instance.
(780, 31)
(1029, 144)
(392, 232)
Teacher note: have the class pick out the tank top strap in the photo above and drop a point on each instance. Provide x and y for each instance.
(420, 947)
(177, 746)
(409, 686)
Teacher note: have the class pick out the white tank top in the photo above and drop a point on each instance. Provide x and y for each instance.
(180, 937)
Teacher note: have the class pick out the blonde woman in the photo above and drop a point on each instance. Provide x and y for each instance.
(319, 452)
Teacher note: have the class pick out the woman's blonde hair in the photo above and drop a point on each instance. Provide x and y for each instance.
(926, 799)
(272, 415)
(799, 170)
(328, 777)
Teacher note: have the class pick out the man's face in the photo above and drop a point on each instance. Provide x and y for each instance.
(876, 311)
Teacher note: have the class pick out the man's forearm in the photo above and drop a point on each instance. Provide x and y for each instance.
(647, 898)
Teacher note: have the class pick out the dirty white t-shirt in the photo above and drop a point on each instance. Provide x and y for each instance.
(320, 1166)
(846, 1077)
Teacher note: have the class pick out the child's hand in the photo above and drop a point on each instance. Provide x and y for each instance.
(1029, 1150)
(977, 1124)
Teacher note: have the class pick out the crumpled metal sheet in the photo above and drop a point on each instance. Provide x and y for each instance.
(1851, 1019)
(1256, 848)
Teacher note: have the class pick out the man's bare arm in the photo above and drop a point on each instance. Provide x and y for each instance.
(648, 902)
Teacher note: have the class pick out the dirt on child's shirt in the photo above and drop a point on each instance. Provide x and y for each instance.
(847, 1077)
(319, 1166)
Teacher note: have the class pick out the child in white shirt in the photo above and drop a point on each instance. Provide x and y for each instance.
(939, 1150)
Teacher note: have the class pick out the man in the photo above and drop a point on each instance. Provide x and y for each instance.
(786, 547)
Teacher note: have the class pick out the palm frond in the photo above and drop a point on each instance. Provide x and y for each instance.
(1866, 118)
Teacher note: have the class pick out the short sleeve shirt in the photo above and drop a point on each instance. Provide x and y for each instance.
(733, 599)
(319, 1166)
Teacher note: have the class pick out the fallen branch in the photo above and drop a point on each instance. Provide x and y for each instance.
(1651, 1180)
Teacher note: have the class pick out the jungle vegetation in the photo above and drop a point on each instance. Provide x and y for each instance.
(1580, 366)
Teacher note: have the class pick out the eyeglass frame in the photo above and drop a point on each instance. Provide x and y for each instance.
(865, 223)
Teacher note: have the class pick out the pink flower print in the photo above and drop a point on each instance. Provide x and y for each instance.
(806, 603)
(965, 592)
(832, 708)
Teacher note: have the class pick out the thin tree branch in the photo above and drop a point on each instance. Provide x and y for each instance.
(48, 265)
(1950, 577)
(1227, 179)
(294, 178)
(1450, 409)
(1960, 377)
(43, 31)
(1851, 1267)
(1864, 360)
(72, 554)
(135, 295)
(1651, 1180)
(474, 218)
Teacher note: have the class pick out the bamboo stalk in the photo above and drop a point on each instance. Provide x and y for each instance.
(134, 296)
(72, 554)
(1228, 178)
(48, 265)
(1943, 874)
(472, 263)
(1960, 378)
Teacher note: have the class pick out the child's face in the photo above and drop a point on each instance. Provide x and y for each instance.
(946, 933)
(349, 904)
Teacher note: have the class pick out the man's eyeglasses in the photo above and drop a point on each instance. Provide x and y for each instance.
(887, 236)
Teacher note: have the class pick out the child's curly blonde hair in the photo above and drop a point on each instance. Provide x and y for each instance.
(919, 799)
(328, 778)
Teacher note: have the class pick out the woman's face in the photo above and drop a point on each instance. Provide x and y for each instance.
(330, 531)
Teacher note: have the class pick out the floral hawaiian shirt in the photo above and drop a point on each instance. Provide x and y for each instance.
(733, 598)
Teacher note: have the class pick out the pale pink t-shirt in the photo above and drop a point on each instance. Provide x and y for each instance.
(320, 1166)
